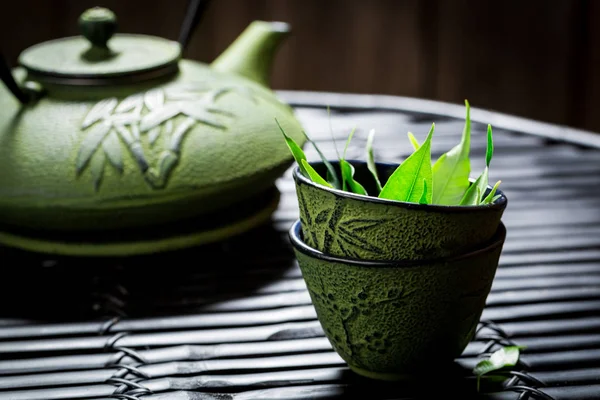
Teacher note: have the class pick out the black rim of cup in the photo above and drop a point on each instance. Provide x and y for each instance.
(501, 203)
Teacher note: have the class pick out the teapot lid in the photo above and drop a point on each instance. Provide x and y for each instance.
(98, 57)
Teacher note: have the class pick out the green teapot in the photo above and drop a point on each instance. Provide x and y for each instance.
(112, 144)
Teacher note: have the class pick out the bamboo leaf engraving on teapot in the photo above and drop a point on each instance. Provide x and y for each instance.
(154, 99)
(100, 111)
(97, 167)
(111, 123)
(90, 143)
(112, 148)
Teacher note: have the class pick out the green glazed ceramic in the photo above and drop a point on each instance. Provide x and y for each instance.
(389, 319)
(203, 230)
(116, 131)
(345, 224)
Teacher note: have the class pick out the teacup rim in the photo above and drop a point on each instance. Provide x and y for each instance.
(295, 235)
(499, 204)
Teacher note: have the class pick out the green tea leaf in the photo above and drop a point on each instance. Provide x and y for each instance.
(347, 170)
(332, 177)
(348, 182)
(348, 142)
(491, 196)
(482, 182)
(507, 356)
(296, 150)
(314, 175)
(426, 197)
(473, 194)
(490, 146)
(371, 160)
(348, 178)
(451, 171)
(413, 141)
(408, 181)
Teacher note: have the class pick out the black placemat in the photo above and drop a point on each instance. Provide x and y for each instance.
(233, 320)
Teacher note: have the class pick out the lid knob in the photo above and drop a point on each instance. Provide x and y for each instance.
(98, 24)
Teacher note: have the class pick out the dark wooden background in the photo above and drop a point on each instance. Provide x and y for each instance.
(536, 58)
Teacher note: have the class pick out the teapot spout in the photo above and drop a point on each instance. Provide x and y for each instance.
(251, 54)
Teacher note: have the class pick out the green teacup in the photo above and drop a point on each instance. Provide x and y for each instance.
(389, 319)
(345, 224)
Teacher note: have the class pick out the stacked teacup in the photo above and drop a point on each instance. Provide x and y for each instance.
(395, 284)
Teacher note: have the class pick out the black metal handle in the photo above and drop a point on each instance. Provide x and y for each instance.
(9, 80)
(194, 13)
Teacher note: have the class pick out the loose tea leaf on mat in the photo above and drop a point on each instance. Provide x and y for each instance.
(507, 356)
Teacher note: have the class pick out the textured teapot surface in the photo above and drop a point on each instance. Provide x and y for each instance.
(87, 156)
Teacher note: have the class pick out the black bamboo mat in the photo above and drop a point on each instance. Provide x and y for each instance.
(233, 320)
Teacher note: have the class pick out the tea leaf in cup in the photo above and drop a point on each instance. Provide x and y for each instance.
(507, 356)
(413, 141)
(424, 199)
(408, 181)
(300, 158)
(348, 177)
(348, 142)
(348, 182)
(477, 189)
(472, 195)
(489, 152)
(296, 150)
(451, 171)
(347, 170)
(371, 160)
(314, 175)
(332, 177)
(490, 198)
(416, 180)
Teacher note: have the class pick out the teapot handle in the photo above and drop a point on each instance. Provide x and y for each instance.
(9, 80)
(193, 14)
